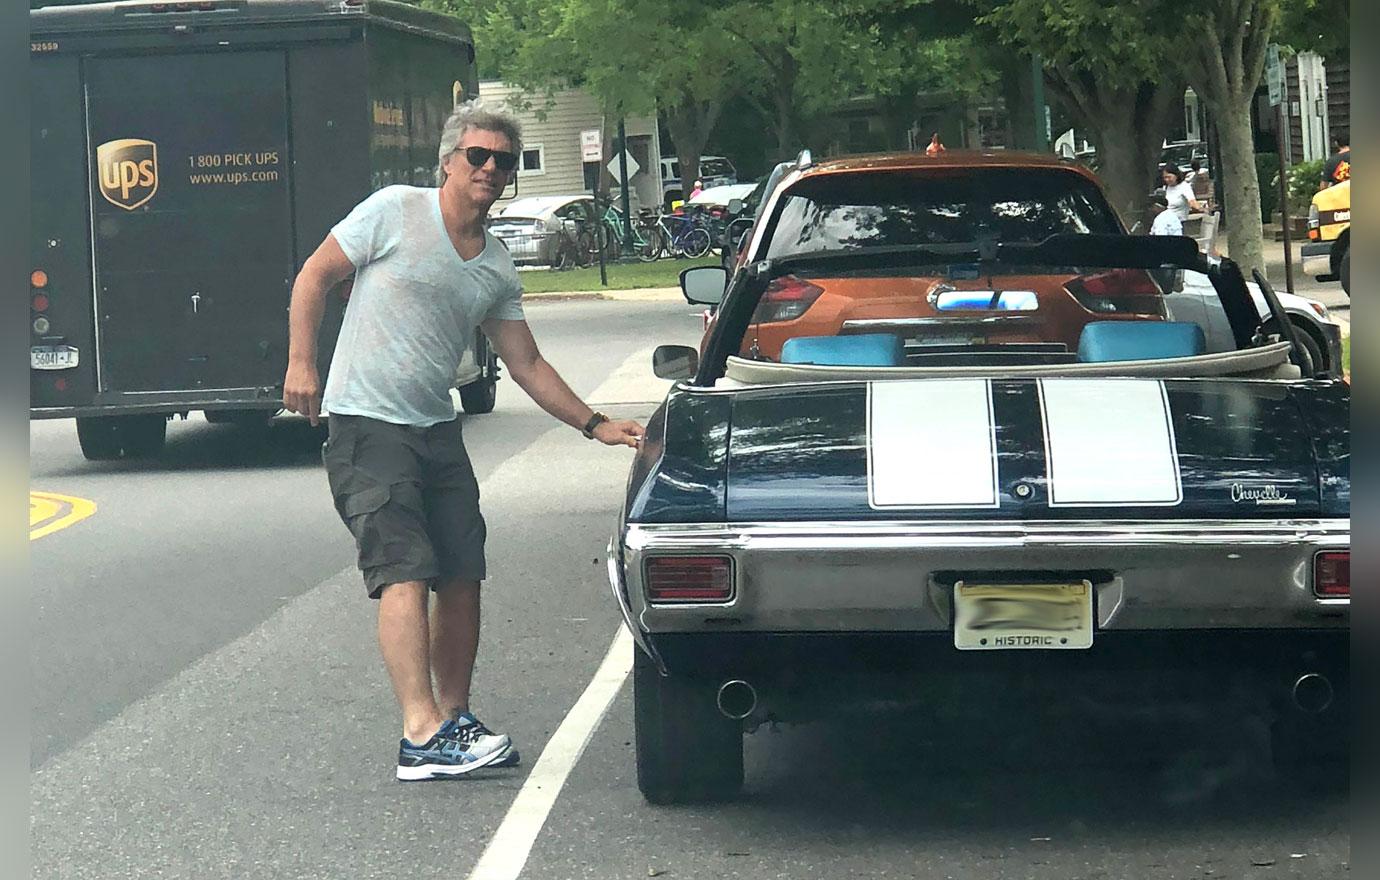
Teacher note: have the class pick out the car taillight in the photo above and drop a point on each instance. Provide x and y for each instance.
(1118, 292)
(689, 579)
(1332, 574)
(785, 299)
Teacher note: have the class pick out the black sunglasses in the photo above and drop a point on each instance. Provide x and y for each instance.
(479, 156)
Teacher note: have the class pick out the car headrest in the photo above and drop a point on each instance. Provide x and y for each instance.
(1103, 341)
(862, 350)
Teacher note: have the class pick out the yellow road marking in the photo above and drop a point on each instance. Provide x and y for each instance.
(49, 513)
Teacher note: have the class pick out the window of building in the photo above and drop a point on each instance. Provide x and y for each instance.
(533, 160)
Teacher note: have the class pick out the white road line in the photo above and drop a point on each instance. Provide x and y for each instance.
(507, 852)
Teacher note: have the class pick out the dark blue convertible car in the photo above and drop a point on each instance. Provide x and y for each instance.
(908, 510)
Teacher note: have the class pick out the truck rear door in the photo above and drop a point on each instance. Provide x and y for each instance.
(191, 219)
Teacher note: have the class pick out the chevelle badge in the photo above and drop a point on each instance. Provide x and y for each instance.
(1268, 494)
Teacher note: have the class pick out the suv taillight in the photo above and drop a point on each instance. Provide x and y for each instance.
(785, 299)
(1332, 574)
(689, 579)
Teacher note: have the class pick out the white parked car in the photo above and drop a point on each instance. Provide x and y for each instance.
(1198, 302)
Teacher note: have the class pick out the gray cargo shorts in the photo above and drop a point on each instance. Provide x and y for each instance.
(409, 497)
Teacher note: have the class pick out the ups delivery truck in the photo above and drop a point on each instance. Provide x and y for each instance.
(186, 159)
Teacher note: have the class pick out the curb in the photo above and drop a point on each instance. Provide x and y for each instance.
(636, 294)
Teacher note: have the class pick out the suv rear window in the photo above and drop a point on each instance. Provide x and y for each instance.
(715, 168)
(887, 209)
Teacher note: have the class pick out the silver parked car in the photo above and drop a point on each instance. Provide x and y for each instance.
(545, 230)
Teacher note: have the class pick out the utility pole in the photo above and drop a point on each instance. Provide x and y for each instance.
(623, 180)
(1037, 90)
(1274, 78)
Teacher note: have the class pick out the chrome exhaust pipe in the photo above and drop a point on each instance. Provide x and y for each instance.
(1312, 693)
(737, 699)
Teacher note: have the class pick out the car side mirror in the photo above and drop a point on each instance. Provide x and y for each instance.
(704, 285)
(675, 362)
(736, 206)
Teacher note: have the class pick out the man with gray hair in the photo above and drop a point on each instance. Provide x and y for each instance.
(426, 275)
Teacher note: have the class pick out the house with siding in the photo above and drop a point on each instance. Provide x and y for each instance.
(553, 159)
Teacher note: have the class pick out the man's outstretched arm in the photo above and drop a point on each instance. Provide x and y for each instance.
(324, 269)
(513, 342)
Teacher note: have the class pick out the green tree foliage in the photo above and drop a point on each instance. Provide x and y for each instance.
(1106, 63)
(1322, 26)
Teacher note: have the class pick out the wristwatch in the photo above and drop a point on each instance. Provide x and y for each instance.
(594, 421)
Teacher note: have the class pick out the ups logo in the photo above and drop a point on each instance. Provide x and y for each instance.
(128, 171)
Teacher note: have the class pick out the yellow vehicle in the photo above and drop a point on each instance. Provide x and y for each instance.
(1327, 253)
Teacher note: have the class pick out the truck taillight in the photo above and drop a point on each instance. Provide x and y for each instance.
(38, 279)
(689, 578)
(1332, 574)
(40, 303)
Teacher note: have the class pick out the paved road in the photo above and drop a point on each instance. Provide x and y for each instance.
(209, 700)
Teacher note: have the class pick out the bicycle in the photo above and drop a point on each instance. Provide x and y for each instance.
(609, 234)
(678, 236)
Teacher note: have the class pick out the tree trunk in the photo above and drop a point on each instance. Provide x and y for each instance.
(691, 122)
(1128, 157)
(1238, 176)
(1223, 64)
(1127, 125)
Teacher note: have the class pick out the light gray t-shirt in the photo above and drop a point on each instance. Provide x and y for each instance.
(414, 308)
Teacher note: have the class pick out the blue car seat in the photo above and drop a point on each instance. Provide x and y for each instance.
(863, 350)
(1103, 341)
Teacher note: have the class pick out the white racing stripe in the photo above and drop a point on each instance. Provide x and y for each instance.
(1109, 442)
(931, 443)
(507, 852)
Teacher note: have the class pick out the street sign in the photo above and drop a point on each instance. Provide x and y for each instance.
(591, 145)
(1274, 74)
(617, 173)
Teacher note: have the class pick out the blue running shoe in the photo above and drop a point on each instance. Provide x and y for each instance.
(454, 750)
(512, 759)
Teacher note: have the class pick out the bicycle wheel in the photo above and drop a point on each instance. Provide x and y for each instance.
(586, 248)
(610, 241)
(696, 243)
(651, 246)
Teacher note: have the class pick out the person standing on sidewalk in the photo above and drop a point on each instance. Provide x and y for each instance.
(427, 274)
(1178, 193)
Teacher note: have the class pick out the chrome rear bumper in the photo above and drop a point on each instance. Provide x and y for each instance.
(897, 577)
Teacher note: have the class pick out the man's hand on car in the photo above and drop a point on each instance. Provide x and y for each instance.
(620, 432)
(302, 392)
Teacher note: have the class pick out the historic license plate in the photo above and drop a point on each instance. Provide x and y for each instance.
(52, 357)
(1001, 617)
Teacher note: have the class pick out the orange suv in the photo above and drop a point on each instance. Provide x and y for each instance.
(948, 203)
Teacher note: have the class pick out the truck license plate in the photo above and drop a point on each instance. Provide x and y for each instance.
(1003, 617)
(52, 357)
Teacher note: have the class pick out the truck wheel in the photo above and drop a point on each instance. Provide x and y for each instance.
(686, 750)
(1345, 270)
(99, 437)
(104, 438)
(479, 397)
(144, 436)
